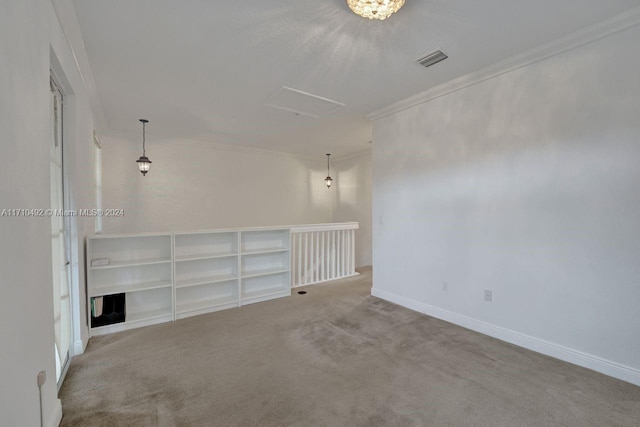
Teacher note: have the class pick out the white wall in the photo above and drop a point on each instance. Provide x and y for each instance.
(352, 200)
(29, 31)
(194, 186)
(526, 184)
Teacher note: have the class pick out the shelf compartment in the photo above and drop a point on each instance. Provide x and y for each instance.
(260, 288)
(131, 263)
(136, 287)
(130, 250)
(205, 245)
(264, 272)
(142, 316)
(264, 263)
(149, 305)
(196, 257)
(201, 305)
(264, 240)
(128, 278)
(206, 298)
(198, 281)
(266, 251)
(265, 295)
(194, 272)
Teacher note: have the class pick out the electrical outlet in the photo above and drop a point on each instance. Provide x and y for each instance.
(445, 286)
(42, 378)
(488, 295)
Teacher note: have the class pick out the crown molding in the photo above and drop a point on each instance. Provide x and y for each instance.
(606, 28)
(68, 20)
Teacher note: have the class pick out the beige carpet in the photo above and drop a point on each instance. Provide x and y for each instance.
(333, 357)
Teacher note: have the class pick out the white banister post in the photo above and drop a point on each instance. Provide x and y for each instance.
(317, 260)
(343, 255)
(299, 259)
(334, 253)
(292, 263)
(339, 254)
(306, 257)
(353, 251)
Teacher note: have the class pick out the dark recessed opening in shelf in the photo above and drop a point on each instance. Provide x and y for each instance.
(302, 292)
(107, 310)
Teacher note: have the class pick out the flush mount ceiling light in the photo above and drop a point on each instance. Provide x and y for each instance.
(143, 162)
(375, 9)
(328, 180)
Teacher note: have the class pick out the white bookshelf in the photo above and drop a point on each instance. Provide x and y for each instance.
(264, 265)
(173, 276)
(206, 272)
(138, 266)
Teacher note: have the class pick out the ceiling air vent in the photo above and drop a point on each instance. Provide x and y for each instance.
(432, 58)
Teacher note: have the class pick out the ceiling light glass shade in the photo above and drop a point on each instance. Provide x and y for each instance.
(328, 180)
(143, 164)
(375, 9)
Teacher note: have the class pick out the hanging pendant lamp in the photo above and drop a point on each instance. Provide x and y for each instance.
(328, 180)
(143, 162)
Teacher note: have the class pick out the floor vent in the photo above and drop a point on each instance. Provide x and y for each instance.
(432, 58)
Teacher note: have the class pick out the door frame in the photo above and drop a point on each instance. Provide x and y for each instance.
(60, 83)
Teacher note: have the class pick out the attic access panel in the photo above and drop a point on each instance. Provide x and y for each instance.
(300, 102)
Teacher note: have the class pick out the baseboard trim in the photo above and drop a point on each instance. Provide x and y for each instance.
(78, 347)
(56, 417)
(607, 367)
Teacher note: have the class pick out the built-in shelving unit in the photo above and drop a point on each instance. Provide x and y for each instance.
(206, 272)
(138, 266)
(167, 277)
(264, 265)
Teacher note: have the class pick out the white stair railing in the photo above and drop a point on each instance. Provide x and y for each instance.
(322, 252)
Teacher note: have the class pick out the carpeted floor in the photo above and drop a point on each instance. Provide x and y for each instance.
(333, 357)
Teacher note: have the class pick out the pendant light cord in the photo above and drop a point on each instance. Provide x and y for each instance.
(143, 140)
(328, 164)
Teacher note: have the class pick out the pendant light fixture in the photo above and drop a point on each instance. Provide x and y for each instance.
(375, 9)
(328, 180)
(143, 162)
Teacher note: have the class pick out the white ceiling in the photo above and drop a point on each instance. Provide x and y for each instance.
(202, 69)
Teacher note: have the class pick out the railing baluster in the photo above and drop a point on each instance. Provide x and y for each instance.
(342, 252)
(349, 264)
(338, 254)
(313, 257)
(322, 257)
(303, 266)
(316, 263)
(353, 251)
(334, 247)
(299, 268)
(347, 254)
(292, 263)
(328, 252)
